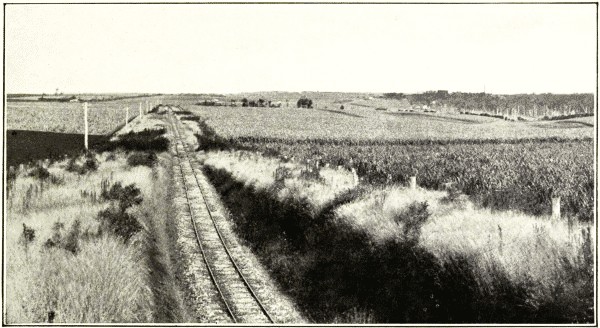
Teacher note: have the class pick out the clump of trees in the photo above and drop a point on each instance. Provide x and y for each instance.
(213, 102)
(260, 103)
(305, 103)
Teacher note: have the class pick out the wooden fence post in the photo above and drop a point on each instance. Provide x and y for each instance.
(126, 117)
(85, 119)
(413, 183)
(140, 110)
(355, 176)
(556, 207)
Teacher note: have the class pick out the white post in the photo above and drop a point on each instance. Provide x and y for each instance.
(85, 119)
(556, 207)
(126, 117)
(355, 176)
(146, 106)
(413, 183)
(140, 110)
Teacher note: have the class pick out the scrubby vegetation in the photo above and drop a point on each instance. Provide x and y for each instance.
(210, 140)
(504, 174)
(83, 164)
(394, 258)
(497, 174)
(146, 140)
(77, 251)
(142, 158)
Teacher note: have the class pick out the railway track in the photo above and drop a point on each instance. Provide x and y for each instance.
(236, 295)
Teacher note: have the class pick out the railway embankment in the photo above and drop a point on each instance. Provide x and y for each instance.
(360, 253)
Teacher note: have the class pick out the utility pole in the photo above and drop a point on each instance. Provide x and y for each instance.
(85, 125)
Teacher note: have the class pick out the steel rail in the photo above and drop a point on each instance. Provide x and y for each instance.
(204, 257)
(222, 240)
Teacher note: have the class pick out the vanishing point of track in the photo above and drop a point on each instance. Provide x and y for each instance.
(239, 299)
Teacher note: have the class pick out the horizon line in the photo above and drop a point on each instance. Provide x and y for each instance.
(284, 91)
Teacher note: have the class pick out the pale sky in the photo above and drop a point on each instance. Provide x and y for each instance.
(233, 48)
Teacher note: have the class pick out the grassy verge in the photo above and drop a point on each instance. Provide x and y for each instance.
(340, 268)
(63, 263)
(87, 238)
(158, 211)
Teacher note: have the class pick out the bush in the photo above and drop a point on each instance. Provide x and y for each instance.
(311, 171)
(118, 222)
(125, 196)
(40, 173)
(146, 140)
(331, 268)
(70, 242)
(115, 218)
(142, 158)
(412, 219)
(210, 140)
(27, 236)
(282, 173)
(90, 164)
(192, 118)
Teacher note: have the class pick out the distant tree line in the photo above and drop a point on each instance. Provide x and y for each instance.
(260, 103)
(540, 104)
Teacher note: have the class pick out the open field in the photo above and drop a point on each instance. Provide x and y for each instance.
(500, 164)
(368, 124)
(23, 146)
(104, 117)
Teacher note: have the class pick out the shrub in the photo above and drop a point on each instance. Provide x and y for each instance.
(124, 196)
(146, 140)
(117, 221)
(192, 118)
(27, 236)
(56, 238)
(282, 173)
(331, 269)
(115, 218)
(142, 158)
(90, 164)
(311, 171)
(68, 242)
(210, 140)
(40, 173)
(412, 219)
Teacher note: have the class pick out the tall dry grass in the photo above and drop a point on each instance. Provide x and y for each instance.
(477, 265)
(106, 280)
